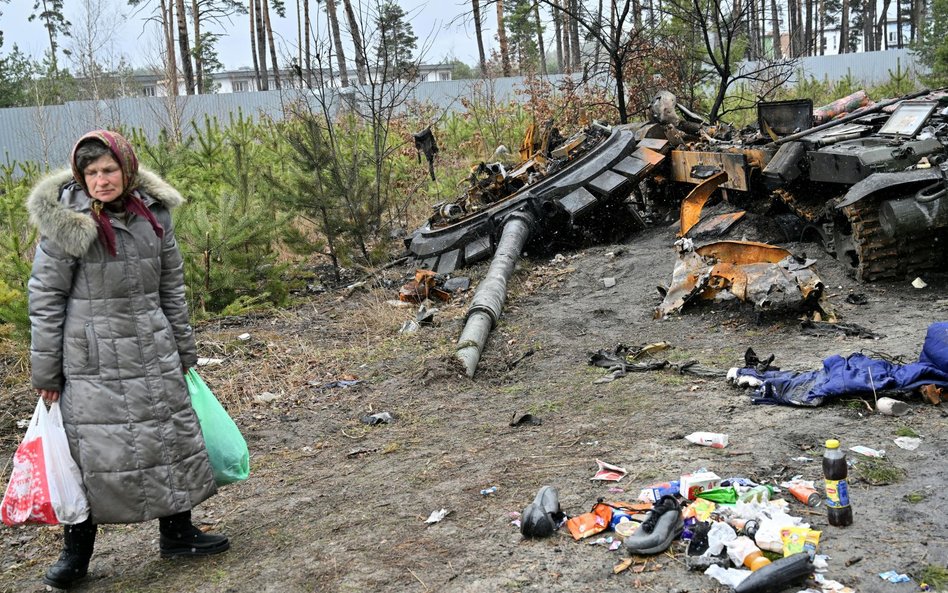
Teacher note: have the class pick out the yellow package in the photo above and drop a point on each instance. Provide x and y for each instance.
(700, 509)
(799, 539)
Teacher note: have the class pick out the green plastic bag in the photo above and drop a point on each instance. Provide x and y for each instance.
(226, 447)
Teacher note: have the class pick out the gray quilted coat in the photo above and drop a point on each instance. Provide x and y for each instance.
(112, 334)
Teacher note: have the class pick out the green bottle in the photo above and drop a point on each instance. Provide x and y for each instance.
(720, 495)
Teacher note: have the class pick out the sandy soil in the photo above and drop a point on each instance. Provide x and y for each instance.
(336, 505)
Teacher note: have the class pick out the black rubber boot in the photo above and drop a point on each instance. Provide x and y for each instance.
(73, 563)
(180, 538)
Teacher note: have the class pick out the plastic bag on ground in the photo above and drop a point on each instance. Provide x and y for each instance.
(226, 447)
(45, 485)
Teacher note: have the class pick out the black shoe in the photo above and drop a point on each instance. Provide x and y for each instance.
(180, 538)
(662, 525)
(192, 542)
(540, 518)
(73, 563)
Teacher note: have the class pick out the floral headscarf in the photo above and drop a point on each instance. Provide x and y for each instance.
(124, 155)
(122, 152)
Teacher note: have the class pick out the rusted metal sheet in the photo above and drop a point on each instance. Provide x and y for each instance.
(743, 252)
(694, 202)
(769, 277)
(716, 225)
(735, 165)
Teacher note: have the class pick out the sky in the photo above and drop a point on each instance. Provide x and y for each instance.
(435, 23)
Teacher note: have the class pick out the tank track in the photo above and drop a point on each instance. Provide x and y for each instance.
(879, 257)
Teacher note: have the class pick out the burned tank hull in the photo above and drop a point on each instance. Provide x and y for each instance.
(585, 179)
(871, 188)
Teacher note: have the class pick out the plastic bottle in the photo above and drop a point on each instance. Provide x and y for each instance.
(743, 551)
(708, 439)
(838, 510)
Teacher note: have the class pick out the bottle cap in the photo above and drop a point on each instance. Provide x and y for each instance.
(832, 444)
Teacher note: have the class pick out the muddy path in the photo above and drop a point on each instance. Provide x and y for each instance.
(334, 504)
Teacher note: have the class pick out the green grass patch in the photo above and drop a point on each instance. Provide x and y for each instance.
(935, 577)
(905, 431)
(915, 497)
(877, 471)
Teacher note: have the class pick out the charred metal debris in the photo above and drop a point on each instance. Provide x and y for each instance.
(867, 181)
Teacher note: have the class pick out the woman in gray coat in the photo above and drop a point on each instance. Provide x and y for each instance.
(111, 341)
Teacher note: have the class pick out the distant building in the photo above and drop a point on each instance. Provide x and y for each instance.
(244, 81)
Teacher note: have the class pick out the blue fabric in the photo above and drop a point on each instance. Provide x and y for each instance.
(856, 374)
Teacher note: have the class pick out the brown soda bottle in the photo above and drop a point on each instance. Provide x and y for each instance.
(838, 510)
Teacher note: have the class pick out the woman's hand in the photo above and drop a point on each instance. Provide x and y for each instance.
(48, 395)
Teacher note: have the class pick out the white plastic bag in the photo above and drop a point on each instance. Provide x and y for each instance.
(45, 485)
(65, 480)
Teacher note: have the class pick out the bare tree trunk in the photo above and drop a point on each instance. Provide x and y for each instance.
(252, 5)
(184, 48)
(502, 39)
(273, 51)
(636, 13)
(844, 28)
(918, 9)
(775, 29)
(567, 65)
(821, 33)
(261, 46)
(881, 27)
(337, 42)
(479, 33)
(798, 32)
(198, 49)
(808, 28)
(868, 19)
(171, 66)
(574, 36)
(898, 24)
(362, 65)
(753, 45)
(306, 44)
(596, 41)
(540, 44)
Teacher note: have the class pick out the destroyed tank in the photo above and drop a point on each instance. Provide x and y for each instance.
(561, 182)
(870, 186)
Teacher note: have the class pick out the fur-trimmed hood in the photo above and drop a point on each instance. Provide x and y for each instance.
(68, 222)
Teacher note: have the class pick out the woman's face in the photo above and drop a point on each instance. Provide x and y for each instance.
(104, 178)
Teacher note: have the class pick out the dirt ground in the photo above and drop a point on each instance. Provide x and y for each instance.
(334, 504)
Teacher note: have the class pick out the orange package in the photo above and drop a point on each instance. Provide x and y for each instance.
(590, 523)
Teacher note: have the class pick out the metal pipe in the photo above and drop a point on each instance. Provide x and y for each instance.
(491, 293)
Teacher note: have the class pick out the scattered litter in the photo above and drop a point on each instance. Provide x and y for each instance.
(856, 298)
(691, 484)
(891, 407)
(908, 443)
(894, 577)
(399, 304)
(360, 452)
(202, 362)
(608, 472)
(457, 284)
(602, 541)
(437, 516)
(378, 418)
(425, 315)
(934, 394)
(802, 459)
(867, 451)
(919, 283)
(831, 586)
(243, 337)
(343, 383)
(265, 397)
(488, 491)
(708, 439)
(654, 492)
(732, 577)
(424, 285)
(521, 419)
(608, 282)
(409, 327)
(616, 490)
(23, 423)
(827, 328)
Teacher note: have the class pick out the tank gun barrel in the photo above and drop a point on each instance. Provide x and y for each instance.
(491, 293)
(848, 118)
